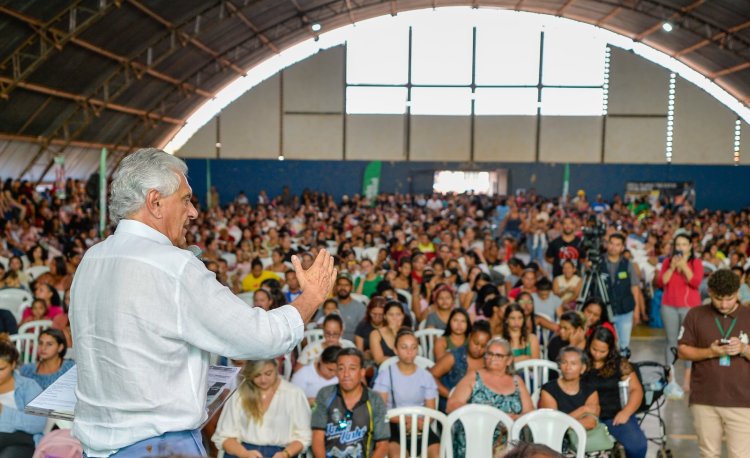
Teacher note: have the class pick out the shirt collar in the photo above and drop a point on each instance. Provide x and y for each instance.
(137, 228)
(361, 401)
(730, 315)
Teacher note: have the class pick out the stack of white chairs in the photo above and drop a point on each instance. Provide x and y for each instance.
(15, 300)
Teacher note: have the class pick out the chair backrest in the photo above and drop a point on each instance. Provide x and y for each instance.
(248, 297)
(361, 298)
(14, 300)
(544, 334)
(287, 367)
(420, 361)
(59, 444)
(548, 427)
(310, 336)
(407, 295)
(371, 253)
(26, 345)
(35, 272)
(4, 261)
(430, 416)
(535, 373)
(266, 261)
(34, 327)
(479, 423)
(427, 341)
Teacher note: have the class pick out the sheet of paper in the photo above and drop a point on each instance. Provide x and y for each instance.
(59, 400)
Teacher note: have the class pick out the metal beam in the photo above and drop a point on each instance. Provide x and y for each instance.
(188, 38)
(730, 70)
(145, 69)
(45, 41)
(262, 37)
(59, 141)
(676, 15)
(562, 9)
(609, 16)
(721, 36)
(96, 104)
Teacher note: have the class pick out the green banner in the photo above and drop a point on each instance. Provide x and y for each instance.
(371, 181)
(102, 192)
(566, 183)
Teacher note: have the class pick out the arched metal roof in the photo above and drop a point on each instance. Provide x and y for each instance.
(126, 73)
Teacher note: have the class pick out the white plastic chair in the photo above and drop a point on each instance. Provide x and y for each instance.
(4, 261)
(479, 423)
(26, 345)
(248, 297)
(407, 295)
(427, 341)
(535, 373)
(544, 334)
(430, 416)
(14, 300)
(35, 272)
(287, 367)
(230, 258)
(310, 336)
(371, 253)
(361, 298)
(420, 361)
(358, 250)
(266, 261)
(35, 327)
(548, 427)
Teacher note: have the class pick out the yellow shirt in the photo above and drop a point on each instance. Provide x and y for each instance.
(252, 283)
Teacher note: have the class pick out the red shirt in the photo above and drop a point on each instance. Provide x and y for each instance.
(679, 292)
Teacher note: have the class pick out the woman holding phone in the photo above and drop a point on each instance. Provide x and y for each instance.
(680, 276)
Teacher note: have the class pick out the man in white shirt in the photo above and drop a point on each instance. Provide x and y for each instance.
(312, 377)
(146, 314)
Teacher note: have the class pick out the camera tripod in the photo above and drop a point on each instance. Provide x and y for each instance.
(593, 284)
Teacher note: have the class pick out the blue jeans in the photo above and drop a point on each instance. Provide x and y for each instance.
(624, 326)
(266, 450)
(631, 437)
(187, 443)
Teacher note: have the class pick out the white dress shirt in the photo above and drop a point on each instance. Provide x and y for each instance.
(286, 420)
(145, 316)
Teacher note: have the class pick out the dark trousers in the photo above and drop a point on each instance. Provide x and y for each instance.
(16, 445)
(267, 451)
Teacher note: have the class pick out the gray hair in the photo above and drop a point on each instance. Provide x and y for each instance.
(146, 169)
(510, 369)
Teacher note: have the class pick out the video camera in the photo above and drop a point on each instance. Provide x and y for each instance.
(593, 233)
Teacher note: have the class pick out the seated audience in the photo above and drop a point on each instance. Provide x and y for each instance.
(383, 339)
(253, 280)
(524, 345)
(596, 315)
(567, 393)
(19, 431)
(496, 385)
(567, 286)
(453, 366)
(374, 319)
(52, 363)
(571, 333)
(444, 301)
(266, 414)
(607, 370)
(333, 329)
(404, 384)
(312, 377)
(349, 418)
(456, 333)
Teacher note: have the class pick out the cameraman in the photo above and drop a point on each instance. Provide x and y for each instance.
(623, 288)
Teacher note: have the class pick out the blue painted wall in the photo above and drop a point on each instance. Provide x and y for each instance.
(717, 187)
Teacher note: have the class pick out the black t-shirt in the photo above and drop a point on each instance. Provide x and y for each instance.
(609, 394)
(363, 330)
(554, 346)
(567, 403)
(560, 251)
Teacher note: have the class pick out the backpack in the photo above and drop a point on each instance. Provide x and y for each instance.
(59, 444)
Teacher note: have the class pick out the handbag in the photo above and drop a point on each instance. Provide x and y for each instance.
(597, 439)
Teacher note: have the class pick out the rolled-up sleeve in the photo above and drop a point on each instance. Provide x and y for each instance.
(212, 318)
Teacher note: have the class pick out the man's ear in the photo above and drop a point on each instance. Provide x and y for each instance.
(153, 203)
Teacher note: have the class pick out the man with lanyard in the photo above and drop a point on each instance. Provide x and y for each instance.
(715, 338)
(623, 288)
(349, 419)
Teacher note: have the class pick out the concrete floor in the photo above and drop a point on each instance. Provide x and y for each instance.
(648, 345)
